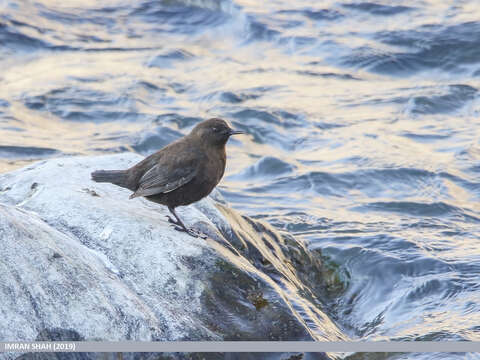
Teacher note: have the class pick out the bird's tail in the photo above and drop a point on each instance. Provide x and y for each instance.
(117, 177)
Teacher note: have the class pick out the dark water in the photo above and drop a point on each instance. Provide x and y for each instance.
(363, 123)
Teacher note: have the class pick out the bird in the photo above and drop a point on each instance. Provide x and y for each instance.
(179, 174)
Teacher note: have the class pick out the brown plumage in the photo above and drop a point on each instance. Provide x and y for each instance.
(181, 173)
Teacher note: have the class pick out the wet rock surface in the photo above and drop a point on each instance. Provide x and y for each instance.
(174, 356)
(82, 261)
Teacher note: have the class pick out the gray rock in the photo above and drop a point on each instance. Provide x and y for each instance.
(80, 256)
(173, 356)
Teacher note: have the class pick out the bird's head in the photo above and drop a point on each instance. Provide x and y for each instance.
(214, 132)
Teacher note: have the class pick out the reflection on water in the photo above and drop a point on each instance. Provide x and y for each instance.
(362, 120)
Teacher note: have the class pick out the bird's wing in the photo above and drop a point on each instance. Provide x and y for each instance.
(160, 179)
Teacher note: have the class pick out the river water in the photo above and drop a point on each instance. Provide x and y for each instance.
(362, 120)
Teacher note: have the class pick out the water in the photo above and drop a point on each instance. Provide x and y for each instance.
(362, 120)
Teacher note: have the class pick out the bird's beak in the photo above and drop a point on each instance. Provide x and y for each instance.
(235, 132)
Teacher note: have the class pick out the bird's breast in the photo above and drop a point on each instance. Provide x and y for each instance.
(215, 166)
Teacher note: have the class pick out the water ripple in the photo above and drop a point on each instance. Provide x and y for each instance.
(361, 120)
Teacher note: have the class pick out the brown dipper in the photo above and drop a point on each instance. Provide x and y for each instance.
(181, 173)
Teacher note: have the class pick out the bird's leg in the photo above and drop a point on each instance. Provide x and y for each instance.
(176, 222)
(180, 226)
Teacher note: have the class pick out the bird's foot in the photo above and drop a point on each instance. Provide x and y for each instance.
(193, 233)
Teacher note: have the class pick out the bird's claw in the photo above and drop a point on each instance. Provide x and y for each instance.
(200, 235)
(196, 234)
(191, 232)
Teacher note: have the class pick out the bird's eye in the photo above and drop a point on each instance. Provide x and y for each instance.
(215, 129)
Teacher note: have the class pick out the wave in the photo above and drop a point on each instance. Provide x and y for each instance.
(31, 152)
(424, 48)
(415, 208)
(12, 37)
(378, 9)
(457, 96)
(83, 105)
(266, 167)
(314, 14)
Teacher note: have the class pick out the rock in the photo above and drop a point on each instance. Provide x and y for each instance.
(172, 356)
(80, 258)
